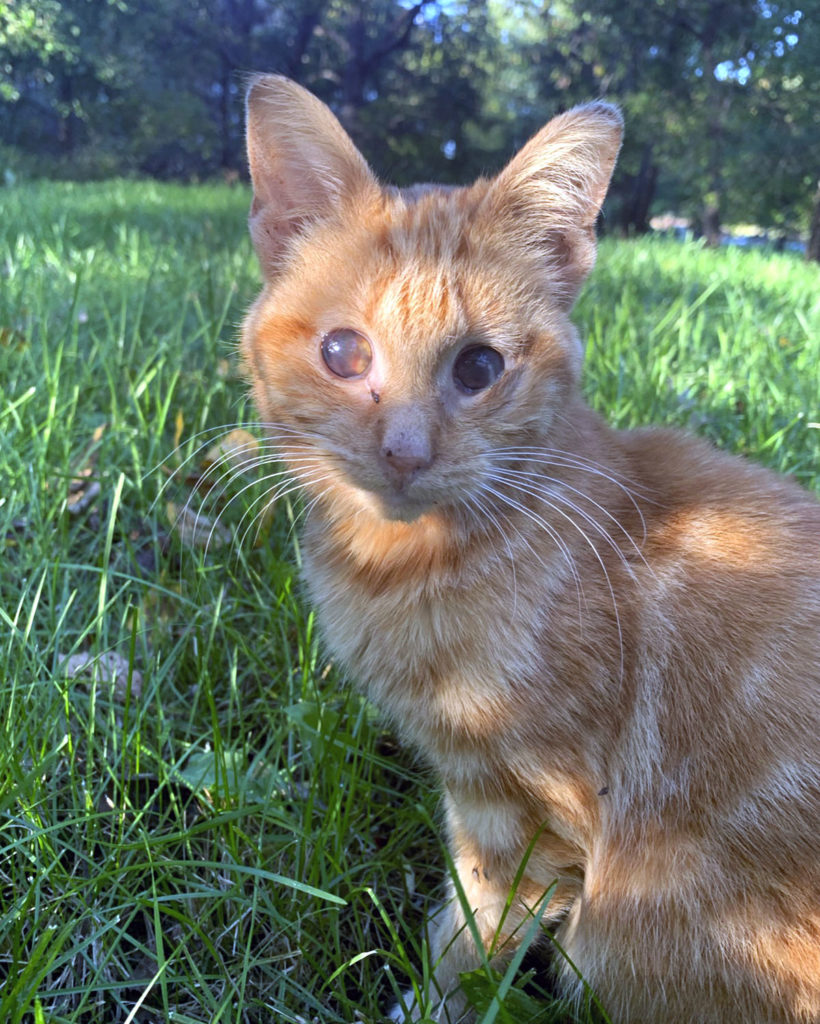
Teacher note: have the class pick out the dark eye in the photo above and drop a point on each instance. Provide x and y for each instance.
(347, 353)
(477, 367)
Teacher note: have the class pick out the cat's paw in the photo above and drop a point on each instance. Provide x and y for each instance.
(405, 1011)
(397, 1014)
(408, 1011)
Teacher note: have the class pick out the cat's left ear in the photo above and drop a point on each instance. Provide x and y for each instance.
(304, 166)
(547, 199)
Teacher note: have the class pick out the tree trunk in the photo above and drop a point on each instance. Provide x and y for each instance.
(306, 25)
(66, 134)
(226, 156)
(353, 75)
(813, 248)
(718, 103)
(710, 220)
(635, 211)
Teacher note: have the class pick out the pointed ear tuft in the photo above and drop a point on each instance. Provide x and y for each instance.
(304, 166)
(551, 192)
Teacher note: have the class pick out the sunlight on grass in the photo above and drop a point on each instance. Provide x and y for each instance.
(199, 819)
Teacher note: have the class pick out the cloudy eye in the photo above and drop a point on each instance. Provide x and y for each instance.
(477, 367)
(347, 353)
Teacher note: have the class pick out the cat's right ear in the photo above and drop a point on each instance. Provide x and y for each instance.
(304, 166)
(547, 199)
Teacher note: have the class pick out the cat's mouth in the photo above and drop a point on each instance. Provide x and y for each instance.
(395, 506)
(389, 496)
(398, 503)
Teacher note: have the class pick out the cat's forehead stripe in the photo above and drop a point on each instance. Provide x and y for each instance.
(434, 227)
(410, 305)
(417, 285)
(417, 304)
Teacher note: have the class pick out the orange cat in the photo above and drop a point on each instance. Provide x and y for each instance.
(606, 642)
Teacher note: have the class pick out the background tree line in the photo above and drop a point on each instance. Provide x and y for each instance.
(722, 99)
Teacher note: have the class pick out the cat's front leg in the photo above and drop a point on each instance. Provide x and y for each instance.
(453, 938)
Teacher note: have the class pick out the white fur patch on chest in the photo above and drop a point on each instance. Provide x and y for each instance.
(495, 826)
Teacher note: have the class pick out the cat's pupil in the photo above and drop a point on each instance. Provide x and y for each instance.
(347, 353)
(477, 367)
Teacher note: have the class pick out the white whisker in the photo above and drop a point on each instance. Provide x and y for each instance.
(544, 525)
(472, 500)
(535, 487)
(557, 458)
(273, 495)
(559, 511)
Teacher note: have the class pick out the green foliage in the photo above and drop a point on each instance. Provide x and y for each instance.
(199, 819)
(32, 35)
(720, 98)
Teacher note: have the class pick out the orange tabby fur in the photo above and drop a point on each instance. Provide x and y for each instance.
(608, 640)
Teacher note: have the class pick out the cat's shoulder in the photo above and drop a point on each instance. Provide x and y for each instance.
(690, 466)
(722, 512)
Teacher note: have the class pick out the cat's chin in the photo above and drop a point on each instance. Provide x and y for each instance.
(396, 508)
(399, 510)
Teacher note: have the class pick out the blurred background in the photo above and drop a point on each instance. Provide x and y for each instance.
(722, 99)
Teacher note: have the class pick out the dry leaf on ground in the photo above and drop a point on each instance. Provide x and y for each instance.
(108, 667)
(194, 529)
(237, 451)
(81, 495)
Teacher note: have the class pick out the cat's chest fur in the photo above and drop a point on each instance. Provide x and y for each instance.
(455, 666)
(460, 662)
(440, 657)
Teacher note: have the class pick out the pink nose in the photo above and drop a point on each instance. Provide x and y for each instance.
(403, 461)
(406, 443)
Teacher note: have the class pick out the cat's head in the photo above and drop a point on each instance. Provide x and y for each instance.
(402, 335)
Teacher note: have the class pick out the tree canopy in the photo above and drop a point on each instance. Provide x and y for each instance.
(721, 97)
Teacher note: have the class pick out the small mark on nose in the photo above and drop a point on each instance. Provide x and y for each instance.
(406, 462)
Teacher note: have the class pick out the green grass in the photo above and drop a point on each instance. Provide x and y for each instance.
(225, 832)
